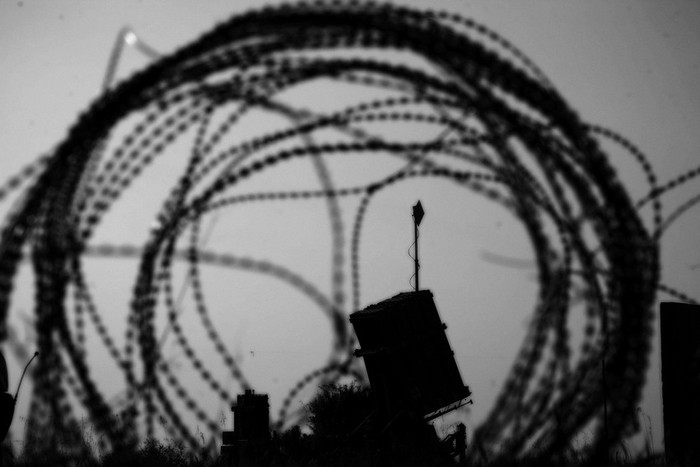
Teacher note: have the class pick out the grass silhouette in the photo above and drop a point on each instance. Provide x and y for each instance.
(343, 432)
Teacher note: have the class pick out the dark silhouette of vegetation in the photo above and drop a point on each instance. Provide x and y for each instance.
(344, 432)
(154, 453)
(340, 410)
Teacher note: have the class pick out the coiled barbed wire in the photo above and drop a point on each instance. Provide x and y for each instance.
(503, 132)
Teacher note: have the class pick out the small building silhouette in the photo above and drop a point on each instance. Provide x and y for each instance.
(246, 444)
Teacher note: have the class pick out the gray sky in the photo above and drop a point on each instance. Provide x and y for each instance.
(629, 65)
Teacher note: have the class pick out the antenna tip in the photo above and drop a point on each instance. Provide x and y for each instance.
(36, 354)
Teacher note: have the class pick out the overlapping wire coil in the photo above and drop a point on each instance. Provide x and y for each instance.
(504, 133)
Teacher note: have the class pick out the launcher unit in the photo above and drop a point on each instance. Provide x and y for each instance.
(410, 364)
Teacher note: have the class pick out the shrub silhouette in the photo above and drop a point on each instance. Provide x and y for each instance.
(346, 432)
(340, 411)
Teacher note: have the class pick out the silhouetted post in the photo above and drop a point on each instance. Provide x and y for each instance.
(7, 403)
(680, 367)
(461, 443)
(418, 214)
(604, 384)
(605, 412)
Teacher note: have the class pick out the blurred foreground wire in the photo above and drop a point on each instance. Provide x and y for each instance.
(499, 130)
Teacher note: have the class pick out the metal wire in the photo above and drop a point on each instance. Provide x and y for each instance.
(505, 134)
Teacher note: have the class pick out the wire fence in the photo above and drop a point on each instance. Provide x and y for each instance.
(503, 132)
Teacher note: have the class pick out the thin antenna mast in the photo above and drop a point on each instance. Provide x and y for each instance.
(418, 214)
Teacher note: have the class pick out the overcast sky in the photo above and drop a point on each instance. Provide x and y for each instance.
(629, 65)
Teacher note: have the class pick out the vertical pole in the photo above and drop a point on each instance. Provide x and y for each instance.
(605, 417)
(415, 260)
(418, 214)
(461, 444)
(606, 441)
